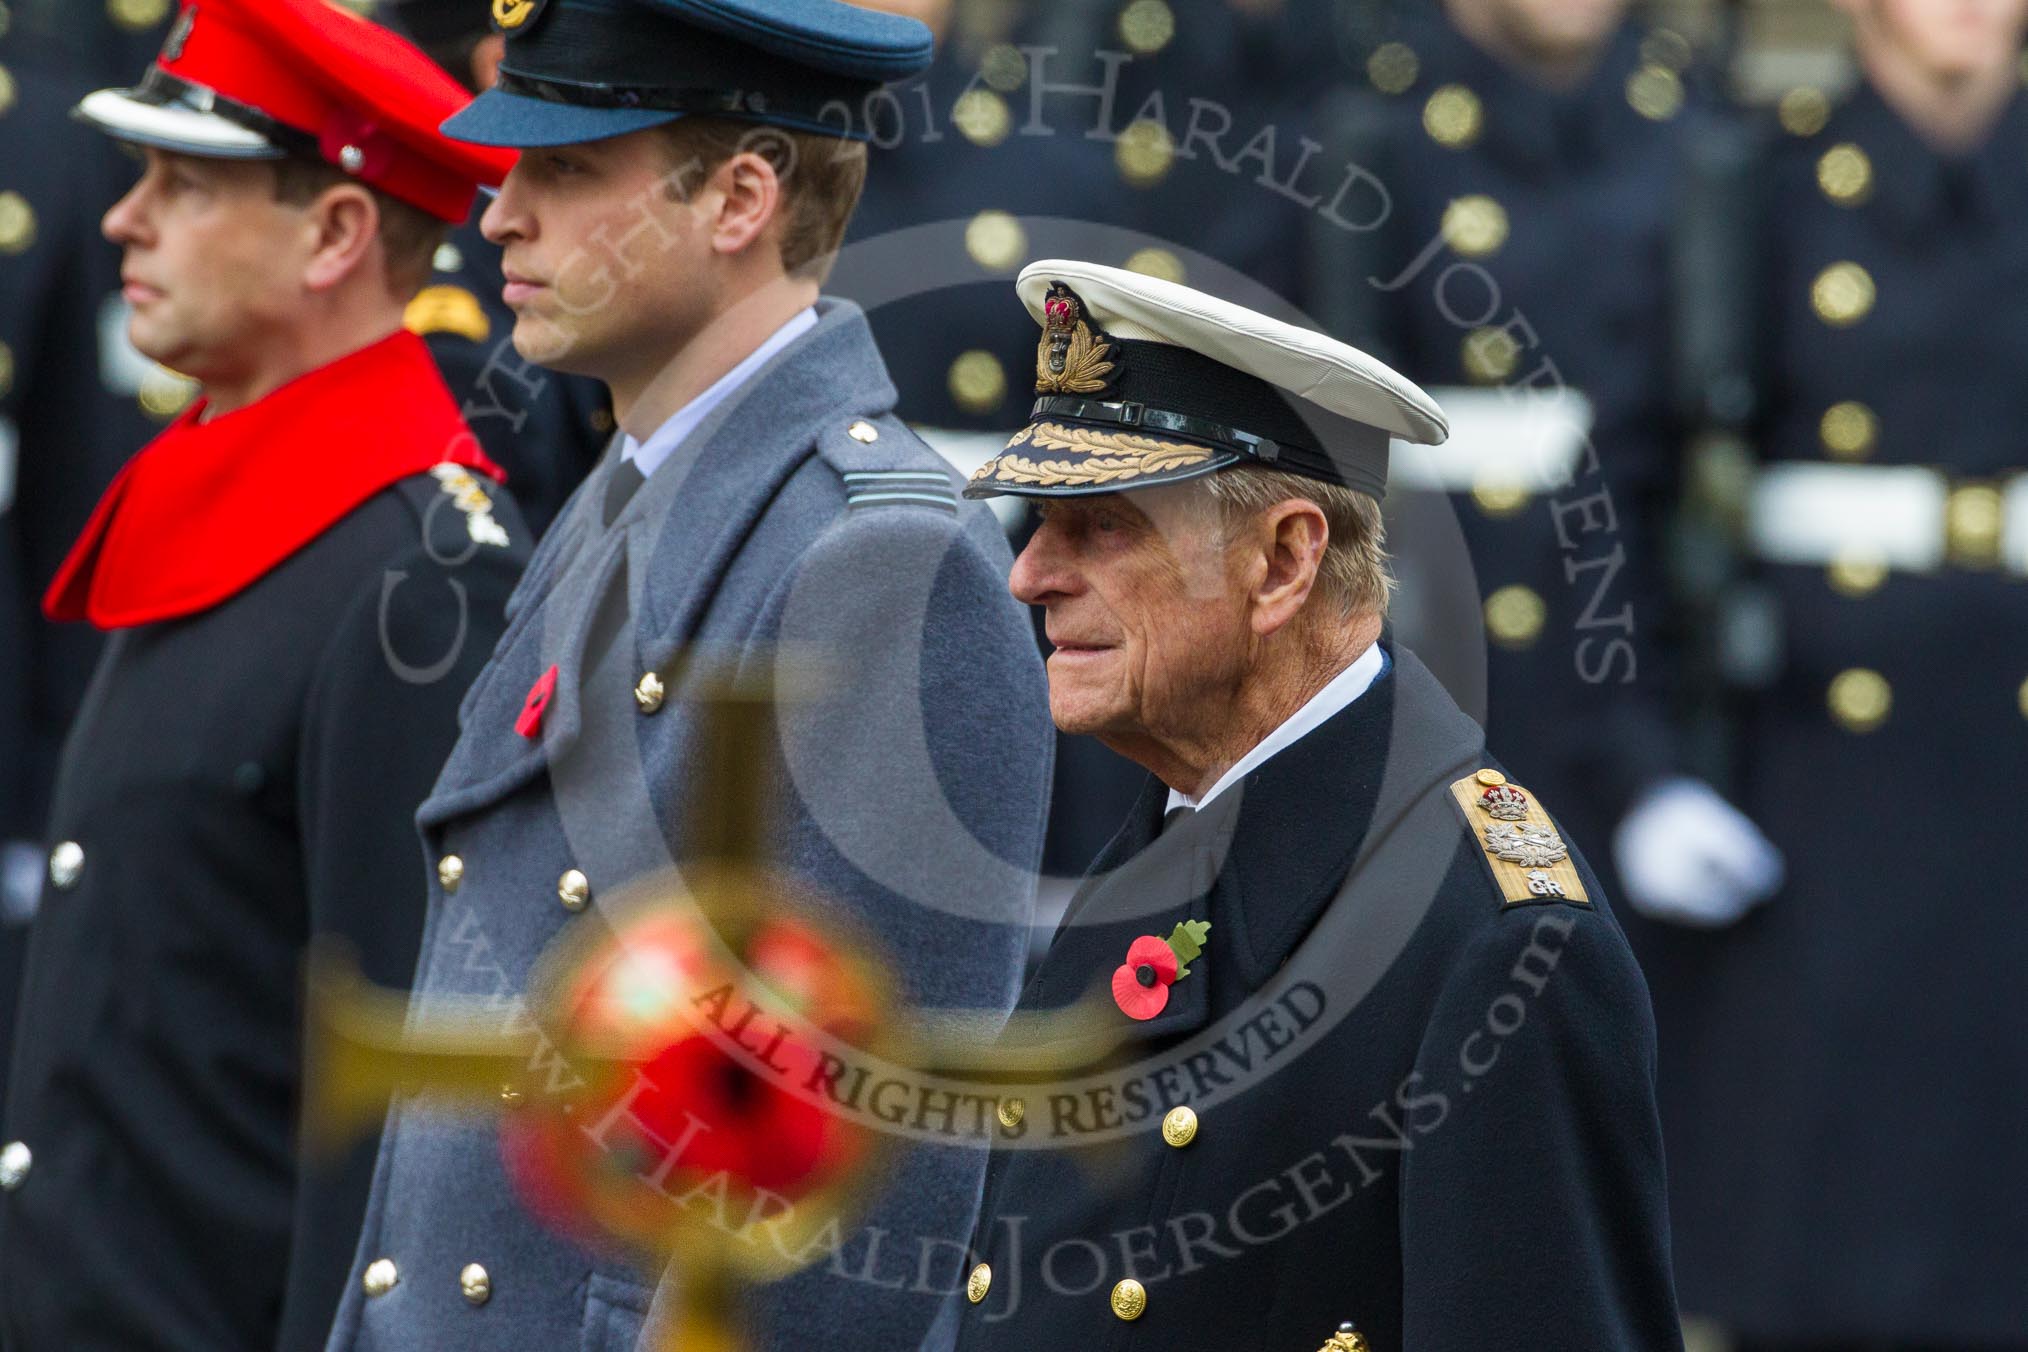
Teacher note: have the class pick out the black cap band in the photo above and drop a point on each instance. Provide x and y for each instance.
(1163, 388)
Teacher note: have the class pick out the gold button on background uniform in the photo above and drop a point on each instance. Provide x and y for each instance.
(17, 223)
(15, 1157)
(1144, 153)
(996, 241)
(1157, 263)
(1004, 67)
(6, 90)
(1667, 47)
(1130, 1298)
(1011, 1112)
(66, 862)
(1147, 25)
(648, 693)
(1475, 226)
(979, 1283)
(1842, 295)
(477, 1286)
(1179, 1127)
(861, 431)
(379, 1278)
(1856, 575)
(1492, 779)
(1393, 67)
(1490, 355)
(1453, 117)
(1860, 699)
(573, 889)
(1655, 92)
(1498, 498)
(977, 382)
(1848, 429)
(164, 394)
(1514, 616)
(450, 872)
(1804, 110)
(137, 14)
(1845, 174)
(1974, 516)
(2021, 698)
(982, 117)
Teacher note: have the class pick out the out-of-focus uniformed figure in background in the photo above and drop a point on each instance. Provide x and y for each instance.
(544, 428)
(1845, 1070)
(680, 193)
(1378, 1035)
(298, 578)
(1548, 174)
(75, 399)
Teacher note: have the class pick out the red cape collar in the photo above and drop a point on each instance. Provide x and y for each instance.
(208, 508)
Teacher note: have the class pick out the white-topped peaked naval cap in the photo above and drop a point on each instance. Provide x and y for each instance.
(1141, 381)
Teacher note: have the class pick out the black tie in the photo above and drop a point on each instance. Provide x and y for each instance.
(625, 481)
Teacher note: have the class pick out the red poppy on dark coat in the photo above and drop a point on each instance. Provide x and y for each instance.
(1141, 984)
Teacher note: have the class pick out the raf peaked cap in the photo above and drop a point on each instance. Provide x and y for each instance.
(584, 70)
(1141, 382)
(265, 79)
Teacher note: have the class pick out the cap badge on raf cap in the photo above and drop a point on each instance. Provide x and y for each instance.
(509, 15)
(577, 71)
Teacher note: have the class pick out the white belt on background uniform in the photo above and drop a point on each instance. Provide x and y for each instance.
(1909, 518)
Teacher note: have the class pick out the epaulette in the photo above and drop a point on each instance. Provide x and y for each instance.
(447, 309)
(469, 497)
(900, 472)
(900, 487)
(1528, 859)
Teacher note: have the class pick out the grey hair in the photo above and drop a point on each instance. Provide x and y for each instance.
(1353, 575)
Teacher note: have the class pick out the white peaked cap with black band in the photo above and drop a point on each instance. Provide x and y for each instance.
(1141, 382)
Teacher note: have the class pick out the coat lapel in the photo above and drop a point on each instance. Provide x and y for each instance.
(697, 511)
(1266, 860)
(669, 548)
(492, 759)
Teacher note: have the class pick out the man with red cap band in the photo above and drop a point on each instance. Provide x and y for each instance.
(300, 577)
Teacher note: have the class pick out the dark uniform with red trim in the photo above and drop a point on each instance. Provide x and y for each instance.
(297, 593)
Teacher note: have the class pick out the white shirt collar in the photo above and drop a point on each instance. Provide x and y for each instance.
(648, 455)
(1347, 686)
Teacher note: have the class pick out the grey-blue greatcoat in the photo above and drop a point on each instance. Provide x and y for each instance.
(922, 777)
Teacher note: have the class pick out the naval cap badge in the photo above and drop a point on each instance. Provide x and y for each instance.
(1075, 355)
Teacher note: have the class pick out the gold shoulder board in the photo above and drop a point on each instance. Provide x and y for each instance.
(447, 309)
(1519, 843)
